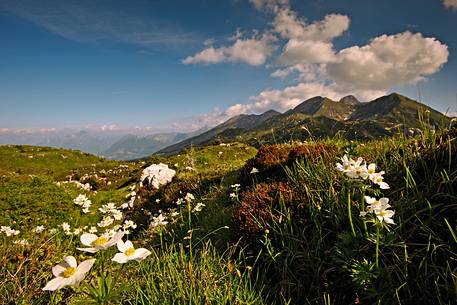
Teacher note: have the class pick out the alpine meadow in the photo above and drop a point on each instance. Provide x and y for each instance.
(228, 152)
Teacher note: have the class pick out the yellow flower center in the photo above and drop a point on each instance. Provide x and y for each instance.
(69, 272)
(101, 241)
(130, 251)
(371, 171)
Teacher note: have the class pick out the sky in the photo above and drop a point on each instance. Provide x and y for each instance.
(180, 65)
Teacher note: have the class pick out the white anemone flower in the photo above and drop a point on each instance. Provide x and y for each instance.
(384, 214)
(96, 243)
(198, 207)
(128, 253)
(158, 221)
(189, 197)
(68, 273)
(254, 171)
(38, 229)
(378, 179)
(345, 164)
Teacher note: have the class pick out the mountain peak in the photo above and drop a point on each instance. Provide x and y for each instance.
(350, 100)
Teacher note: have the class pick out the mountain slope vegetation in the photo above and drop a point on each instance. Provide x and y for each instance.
(321, 117)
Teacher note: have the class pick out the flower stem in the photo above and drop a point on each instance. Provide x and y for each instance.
(350, 214)
(377, 246)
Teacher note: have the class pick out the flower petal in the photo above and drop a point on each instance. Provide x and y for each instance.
(71, 261)
(128, 244)
(90, 250)
(120, 258)
(115, 239)
(85, 266)
(121, 246)
(58, 269)
(141, 253)
(88, 238)
(55, 284)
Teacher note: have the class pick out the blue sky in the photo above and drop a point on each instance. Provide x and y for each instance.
(182, 64)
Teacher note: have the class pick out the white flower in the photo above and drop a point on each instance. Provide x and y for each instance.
(38, 229)
(179, 201)
(158, 221)
(117, 215)
(380, 208)
(378, 179)
(189, 197)
(353, 168)
(22, 242)
(106, 221)
(96, 243)
(174, 214)
(345, 165)
(8, 231)
(235, 186)
(68, 273)
(129, 224)
(220, 153)
(66, 228)
(232, 195)
(384, 214)
(198, 207)
(77, 231)
(189, 168)
(128, 253)
(254, 170)
(93, 229)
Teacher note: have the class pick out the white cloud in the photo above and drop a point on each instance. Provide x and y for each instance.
(253, 51)
(366, 71)
(450, 4)
(308, 43)
(306, 72)
(387, 61)
(290, 26)
(299, 51)
(289, 97)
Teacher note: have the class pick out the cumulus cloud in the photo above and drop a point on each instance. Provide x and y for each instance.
(450, 4)
(299, 51)
(387, 61)
(254, 51)
(289, 97)
(366, 72)
(308, 43)
(290, 26)
(308, 52)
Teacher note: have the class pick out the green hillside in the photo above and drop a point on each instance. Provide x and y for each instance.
(278, 225)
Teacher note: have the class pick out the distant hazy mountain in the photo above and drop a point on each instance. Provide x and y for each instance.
(131, 147)
(111, 144)
(320, 117)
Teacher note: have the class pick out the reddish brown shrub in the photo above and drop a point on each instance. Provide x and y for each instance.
(256, 212)
(313, 151)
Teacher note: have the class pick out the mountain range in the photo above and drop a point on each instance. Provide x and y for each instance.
(321, 117)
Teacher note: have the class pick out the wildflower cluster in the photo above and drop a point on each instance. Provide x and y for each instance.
(83, 202)
(380, 208)
(83, 186)
(8, 231)
(69, 273)
(359, 169)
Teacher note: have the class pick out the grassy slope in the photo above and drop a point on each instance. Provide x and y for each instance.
(302, 260)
